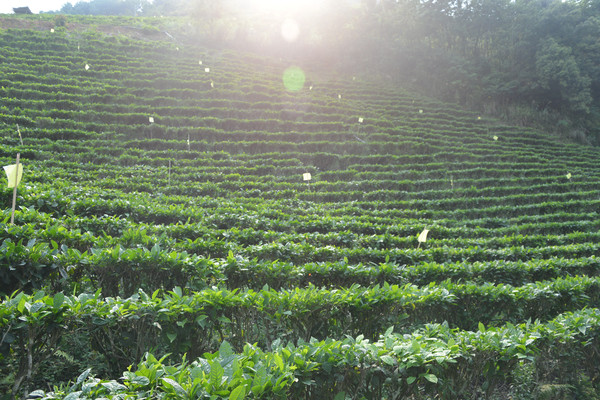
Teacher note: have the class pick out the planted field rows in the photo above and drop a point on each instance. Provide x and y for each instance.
(163, 210)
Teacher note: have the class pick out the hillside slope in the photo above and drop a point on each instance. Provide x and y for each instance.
(163, 209)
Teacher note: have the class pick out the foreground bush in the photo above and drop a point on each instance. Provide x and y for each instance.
(433, 362)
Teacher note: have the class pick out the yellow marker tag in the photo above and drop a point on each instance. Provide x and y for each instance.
(423, 236)
(212, 84)
(306, 176)
(495, 137)
(360, 120)
(206, 69)
(569, 175)
(339, 96)
(420, 111)
(87, 67)
(10, 174)
(478, 118)
(51, 30)
(200, 62)
(310, 88)
(151, 120)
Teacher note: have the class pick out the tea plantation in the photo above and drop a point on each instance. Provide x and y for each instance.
(165, 244)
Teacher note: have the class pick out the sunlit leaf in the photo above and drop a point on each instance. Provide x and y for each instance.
(238, 393)
(431, 378)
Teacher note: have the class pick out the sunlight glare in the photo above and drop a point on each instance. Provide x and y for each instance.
(285, 7)
(288, 13)
(290, 30)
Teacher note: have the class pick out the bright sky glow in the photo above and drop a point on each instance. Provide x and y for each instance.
(284, 7)
(36, 6)
(290, 30)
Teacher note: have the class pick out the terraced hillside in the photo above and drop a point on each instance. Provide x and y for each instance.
(163, 211)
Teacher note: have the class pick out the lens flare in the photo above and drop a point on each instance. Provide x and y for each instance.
(293, 79)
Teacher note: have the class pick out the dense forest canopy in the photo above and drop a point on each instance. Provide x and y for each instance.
(528, 60)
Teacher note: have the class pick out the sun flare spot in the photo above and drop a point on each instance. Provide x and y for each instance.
(293, 79)
(290, 30)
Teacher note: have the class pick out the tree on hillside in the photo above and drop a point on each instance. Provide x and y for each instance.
(560, 75)
(106, 7)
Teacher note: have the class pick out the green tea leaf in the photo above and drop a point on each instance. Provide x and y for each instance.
(225, 350)
(216, 374)
(278, 361)
(238, 393)
(113, 387)
(73, 396)
(180, 390)
(83, 375)
(139, 380)
(21, 305)
(389, 360)
(481, 327)
(58, 300)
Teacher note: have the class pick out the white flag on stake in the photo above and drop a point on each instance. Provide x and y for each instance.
(306, 176)
(423, 236)
(13, 176)
(151, 120)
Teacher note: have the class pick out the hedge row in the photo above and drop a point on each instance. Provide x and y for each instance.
(434, 361)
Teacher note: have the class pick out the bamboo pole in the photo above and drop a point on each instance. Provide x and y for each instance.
(14, 202)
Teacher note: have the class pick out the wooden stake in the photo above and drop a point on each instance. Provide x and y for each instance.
(169, 179)
(14, 203)
(20, 137)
